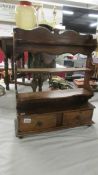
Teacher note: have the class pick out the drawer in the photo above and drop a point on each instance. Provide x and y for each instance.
(86, 116)
(36, 122)
(77, 118)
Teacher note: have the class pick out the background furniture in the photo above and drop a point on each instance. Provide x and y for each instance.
(7, 46)
(45, 111)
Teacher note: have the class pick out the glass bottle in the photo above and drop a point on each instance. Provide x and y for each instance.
(25, 15)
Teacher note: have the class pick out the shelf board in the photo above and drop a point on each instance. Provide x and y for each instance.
(51, 70)
(54, 94)
(42, 102)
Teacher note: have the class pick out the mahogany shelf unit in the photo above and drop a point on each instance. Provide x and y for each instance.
(51, 110)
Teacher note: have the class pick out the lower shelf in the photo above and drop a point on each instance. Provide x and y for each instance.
(37, 123)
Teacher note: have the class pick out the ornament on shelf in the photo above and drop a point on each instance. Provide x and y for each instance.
(43, 20)
(54, 17)
(48, 21)
(26, 17)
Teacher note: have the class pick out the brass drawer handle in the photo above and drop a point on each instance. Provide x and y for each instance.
(39, 123)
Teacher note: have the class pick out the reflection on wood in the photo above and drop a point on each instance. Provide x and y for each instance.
(52, 70)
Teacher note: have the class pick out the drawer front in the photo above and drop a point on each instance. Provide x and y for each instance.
(77, 118)
(86, 116)
(36, 122)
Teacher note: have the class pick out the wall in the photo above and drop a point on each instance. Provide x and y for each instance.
(7, 17)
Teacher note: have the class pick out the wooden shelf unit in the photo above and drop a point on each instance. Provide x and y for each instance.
(26, 125)
(51, 110)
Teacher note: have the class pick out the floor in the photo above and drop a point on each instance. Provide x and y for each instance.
(66, 152)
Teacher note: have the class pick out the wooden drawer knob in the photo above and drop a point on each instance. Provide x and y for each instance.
(39, 123)
(78, 119)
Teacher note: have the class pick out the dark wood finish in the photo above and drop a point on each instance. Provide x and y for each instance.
(36, 123)
(54, 94)
(45, 39)
(56, 100)
(53, 109)
(41, 40)
(80, 117)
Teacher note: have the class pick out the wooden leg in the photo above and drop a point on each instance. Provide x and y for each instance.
(40, 83)
(12, 66)
(34, 84)
(6, 74)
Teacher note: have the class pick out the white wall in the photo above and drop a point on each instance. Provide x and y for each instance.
(86, 1)
(6, 30)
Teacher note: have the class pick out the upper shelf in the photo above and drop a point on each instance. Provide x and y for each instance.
(51, 70)
(41, 40)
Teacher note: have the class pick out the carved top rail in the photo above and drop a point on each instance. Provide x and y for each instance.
(42, 40)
